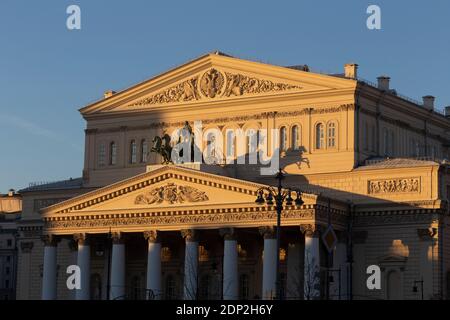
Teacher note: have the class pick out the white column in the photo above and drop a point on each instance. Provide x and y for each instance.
(339, 263)
(49, 272)
(428, 258)
(72, 244)
(117, 282)
(230, 281)
(311, 281)
(190, 265)
(269, 290)
(294, 272)
(153, 264)
(84, 262)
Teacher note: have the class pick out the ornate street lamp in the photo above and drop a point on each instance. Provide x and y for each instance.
(278, 196)
(421, 287)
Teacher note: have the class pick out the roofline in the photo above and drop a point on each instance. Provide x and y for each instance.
(121, 93)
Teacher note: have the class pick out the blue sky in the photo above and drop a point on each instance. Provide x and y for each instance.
(48, 72)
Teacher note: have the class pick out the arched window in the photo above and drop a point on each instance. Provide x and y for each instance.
(283, 139)
(133, 151)
(391, 143)
(102, 155)
(331, 135)
(144, 151)
(113, 153)
(365, 139)
(320, 136)
(252, 140)
(244, 287)
(386, 141)
(169, 288)
(231, 144)
(295, 138)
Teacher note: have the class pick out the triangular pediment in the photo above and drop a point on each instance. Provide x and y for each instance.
(216, 77)
(168, 187)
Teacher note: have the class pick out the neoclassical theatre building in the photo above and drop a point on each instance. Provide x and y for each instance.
(368, 161)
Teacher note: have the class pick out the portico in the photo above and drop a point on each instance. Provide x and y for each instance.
(203, 230)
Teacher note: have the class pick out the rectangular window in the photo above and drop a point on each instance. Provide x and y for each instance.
(373, 138)
(113, 154)
(9, 243)
(102, 155)
(144, 151)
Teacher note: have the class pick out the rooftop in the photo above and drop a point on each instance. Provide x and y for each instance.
(388, 163)
(58, 185)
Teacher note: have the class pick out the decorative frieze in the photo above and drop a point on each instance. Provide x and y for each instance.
(394, 218)
(172, 218)
(389, 186)
(171, 193)
(214, 84)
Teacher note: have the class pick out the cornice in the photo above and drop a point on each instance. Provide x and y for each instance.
(222, 120)
(218, 218)
(146, 179)
(403, 106)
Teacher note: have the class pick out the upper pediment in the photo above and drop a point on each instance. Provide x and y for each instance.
(215, 77)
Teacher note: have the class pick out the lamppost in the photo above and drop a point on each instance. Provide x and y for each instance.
(268, 195)
(421, 286)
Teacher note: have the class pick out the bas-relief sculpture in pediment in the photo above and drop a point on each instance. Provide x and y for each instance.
(214, 84)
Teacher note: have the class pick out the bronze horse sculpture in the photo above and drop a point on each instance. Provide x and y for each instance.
(161, 145)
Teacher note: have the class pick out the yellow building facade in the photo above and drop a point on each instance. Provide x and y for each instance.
(367, 160)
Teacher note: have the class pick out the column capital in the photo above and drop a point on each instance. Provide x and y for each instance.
(359, 237)
(189, 235)
(227, 233)
(117, 237)
(426, 234)
(151, 236)
(72, 244)
(49, 240)
(27, 246)
(342, 236)
(268, 232)
(81, 239)
(310, 230)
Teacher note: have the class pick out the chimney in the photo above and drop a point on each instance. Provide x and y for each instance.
(108, 94)
(428, 102)
(383, 83)
(447, 111)
(351, 70)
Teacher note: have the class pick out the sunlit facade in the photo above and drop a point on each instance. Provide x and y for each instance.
(368, 161)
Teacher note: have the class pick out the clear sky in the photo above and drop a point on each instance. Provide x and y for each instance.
(48, 72)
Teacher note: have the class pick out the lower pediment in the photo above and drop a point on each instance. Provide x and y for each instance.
(167, 187)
